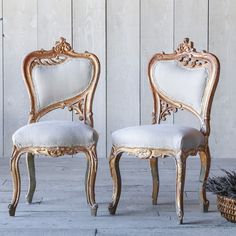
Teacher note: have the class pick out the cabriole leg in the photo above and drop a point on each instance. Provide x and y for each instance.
(16, 181)
(90, 179)
(180, 181)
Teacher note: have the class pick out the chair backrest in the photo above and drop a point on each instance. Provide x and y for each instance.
(186, 80)
(60, 78)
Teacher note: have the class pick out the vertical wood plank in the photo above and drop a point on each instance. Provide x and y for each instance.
(122, 65)
(222, 42)
(1, 83)
(20, 30)
(156, 36)
(54, 21)
(89, 35)
(191, 21)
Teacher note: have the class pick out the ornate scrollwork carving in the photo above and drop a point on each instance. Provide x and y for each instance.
(185, 46)
(57, 151)
(191, 62)
(62, 46)
(49, 61)
(78, 108)
(166, 109)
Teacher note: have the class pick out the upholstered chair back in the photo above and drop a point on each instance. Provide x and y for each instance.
(61, 78)
(61, 81)
(184, 80)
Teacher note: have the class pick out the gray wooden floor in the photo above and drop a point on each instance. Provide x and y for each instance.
(60, 207)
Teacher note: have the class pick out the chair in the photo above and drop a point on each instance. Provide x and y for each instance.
(57, 78)
(184, 80)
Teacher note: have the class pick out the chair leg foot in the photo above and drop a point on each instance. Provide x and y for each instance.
(112, 209)
(94, 209)
(181, 221)
(205, 206)
(12, 210)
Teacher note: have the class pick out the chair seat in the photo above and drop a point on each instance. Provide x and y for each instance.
(55, 134)
(163, 136)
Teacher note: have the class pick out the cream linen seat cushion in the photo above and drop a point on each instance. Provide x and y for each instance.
(55, 134)
(163, 136)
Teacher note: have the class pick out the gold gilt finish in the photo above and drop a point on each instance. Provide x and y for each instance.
(187, 56)
(81, 104)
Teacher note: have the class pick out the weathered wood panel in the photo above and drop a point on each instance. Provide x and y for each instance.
(123, 77)
(191, 21)
(1, 82)
(54, 21)
(222, 32)
(89, 35)
(156, 36)
(20, 30)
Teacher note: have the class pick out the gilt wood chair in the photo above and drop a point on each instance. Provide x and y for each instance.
(184, 80)
(57, 78)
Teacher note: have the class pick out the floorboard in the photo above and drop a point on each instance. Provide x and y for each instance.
(60, 208)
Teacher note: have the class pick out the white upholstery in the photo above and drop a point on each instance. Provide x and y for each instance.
(55, 134)
(163, 136)
(182, 84)
(59, 82)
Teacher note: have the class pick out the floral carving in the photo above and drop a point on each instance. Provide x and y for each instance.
(62, 46)
(191, 62)
(49, 61)
(166, 109)
(78, 108)
(57, 151)
(186, 46)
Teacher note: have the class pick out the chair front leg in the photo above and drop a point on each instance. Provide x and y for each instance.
(180, 181)
(155, 179)
(116, 178)
(14, 163)
(90, 178)
(31, 176)
(205, 158)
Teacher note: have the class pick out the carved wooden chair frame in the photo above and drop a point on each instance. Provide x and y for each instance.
(187, 56)
(81, 104)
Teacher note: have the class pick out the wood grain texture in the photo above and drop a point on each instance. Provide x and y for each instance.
(20, 30)
(123, 81)
(54, 21)
(60, 205)
(191, 21)
(222, 42)
(1, 82)
(89, 34)
(156, 36)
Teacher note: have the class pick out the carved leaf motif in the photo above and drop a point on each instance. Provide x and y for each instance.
(186, 46)
(62, 46)
(166, 109)
(78, 108)
(49, 61)
(191, 62)
(59, 151)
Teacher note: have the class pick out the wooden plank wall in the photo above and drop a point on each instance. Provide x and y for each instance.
(124, 35)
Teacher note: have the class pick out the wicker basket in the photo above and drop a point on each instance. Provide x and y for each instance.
(227, 208)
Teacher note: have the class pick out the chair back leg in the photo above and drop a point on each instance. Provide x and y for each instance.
(155, 179)
(31, 176)
(116, 178)
(205, 158)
